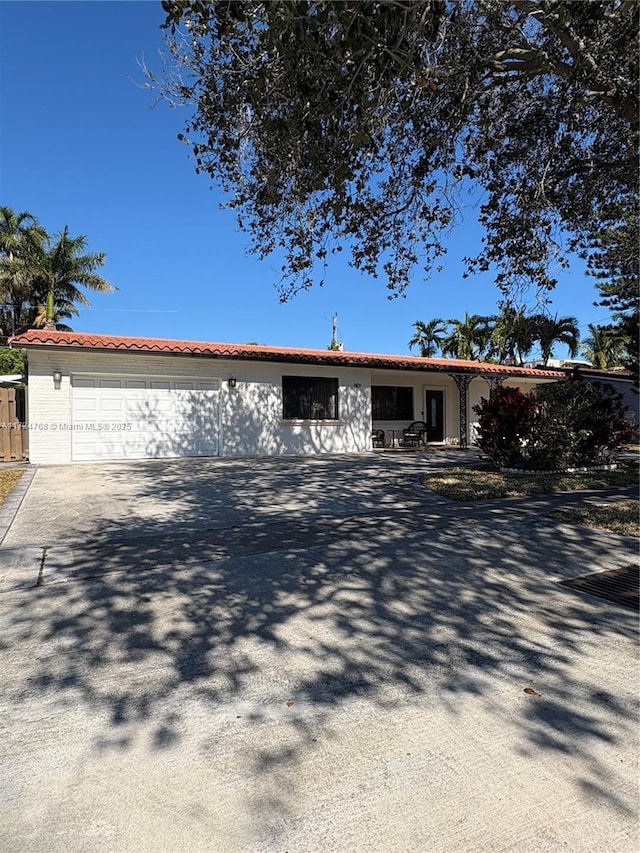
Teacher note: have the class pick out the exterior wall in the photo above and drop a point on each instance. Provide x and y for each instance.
(479, 388)
(526, 384)
(252, 422)
(251, 414)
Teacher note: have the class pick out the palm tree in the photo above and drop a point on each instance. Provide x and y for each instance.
(21, 239)
(63, 310)
(502, 340)
(603, 346)
(62, 268)
(513, 335)
(552, 330)
(41, 277)
(428, 337)
(18, 232)
(468, 338)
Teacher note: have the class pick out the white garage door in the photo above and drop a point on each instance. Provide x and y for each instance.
(135, 417)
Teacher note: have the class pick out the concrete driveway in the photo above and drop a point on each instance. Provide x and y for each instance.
(308, 654)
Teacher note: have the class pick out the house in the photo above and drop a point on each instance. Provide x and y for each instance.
(97, 397)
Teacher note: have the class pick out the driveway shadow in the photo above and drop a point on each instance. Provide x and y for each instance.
(397, 601)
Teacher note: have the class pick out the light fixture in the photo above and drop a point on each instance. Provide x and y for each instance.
(57, 378)
(232, 382)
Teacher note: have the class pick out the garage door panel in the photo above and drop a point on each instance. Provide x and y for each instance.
(85, 407)
(111, 404)
(135, 417)
(157, 402)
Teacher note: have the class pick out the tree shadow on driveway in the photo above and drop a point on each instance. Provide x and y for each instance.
(421, 603)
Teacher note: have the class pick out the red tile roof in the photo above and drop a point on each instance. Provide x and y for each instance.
(253, 352)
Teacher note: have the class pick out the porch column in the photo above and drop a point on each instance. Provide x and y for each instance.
(463, 380)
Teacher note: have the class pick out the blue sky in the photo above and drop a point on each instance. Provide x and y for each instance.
(81, 145)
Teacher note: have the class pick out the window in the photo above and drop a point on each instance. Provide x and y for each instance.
(391, 403)
(309, 397)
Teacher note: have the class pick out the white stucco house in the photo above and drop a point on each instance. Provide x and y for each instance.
(98, 397)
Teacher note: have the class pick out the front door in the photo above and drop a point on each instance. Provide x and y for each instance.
(435, 416)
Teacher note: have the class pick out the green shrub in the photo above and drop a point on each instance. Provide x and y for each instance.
(559, 425)
(11, 361)
(578, 423)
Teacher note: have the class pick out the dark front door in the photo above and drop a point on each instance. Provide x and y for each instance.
(435, 416)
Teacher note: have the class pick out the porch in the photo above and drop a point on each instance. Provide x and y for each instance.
(441, 403)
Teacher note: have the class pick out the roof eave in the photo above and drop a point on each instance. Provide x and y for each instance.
(334, 359)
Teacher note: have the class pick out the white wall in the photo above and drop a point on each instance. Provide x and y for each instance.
(479, 389)
(251, 414)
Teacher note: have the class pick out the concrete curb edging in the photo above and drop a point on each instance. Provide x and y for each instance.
(582, 469)
(10, 507)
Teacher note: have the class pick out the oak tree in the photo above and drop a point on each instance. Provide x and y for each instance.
(362, 125)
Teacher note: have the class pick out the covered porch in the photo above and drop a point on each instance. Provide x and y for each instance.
(413, 410)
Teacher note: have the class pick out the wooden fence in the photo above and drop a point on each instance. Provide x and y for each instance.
(14, 435)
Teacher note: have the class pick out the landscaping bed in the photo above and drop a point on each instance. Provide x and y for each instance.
(8, 479)
(474, 484)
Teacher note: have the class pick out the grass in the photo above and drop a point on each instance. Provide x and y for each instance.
(8, 479)
(477, 484)
(622, 517)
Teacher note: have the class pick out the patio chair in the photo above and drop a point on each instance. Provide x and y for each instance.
(377, 437)
(414, 435)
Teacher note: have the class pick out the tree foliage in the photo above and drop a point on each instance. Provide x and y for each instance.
(43, 277)
(549, 331)
(578, 423)
(361, 124)
(428, 336)
(603, 346)
(614, 262)
(467, 339)
(507, 338)
(504, 421)
(513, 335)
(558, 425)
(11, 361)
(21, 236)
